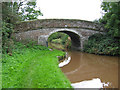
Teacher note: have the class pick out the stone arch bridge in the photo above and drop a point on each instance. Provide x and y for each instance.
(40, 30)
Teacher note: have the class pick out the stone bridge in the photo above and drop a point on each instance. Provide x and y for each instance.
(40, 30)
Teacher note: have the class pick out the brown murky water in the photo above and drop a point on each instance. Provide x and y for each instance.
(86, 70)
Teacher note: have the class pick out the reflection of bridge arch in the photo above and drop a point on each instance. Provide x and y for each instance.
(74, 35)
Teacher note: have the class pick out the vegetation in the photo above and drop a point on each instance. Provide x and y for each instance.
(60, 40)
(102, 44)
(13, 12)
(7, 42)
(58, 35)
(20, 10)
(108, 43)
(27, 66)
(111, 19)
(32, 67)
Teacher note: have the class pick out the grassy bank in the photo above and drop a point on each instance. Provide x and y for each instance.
(33, 67)
(56, 46)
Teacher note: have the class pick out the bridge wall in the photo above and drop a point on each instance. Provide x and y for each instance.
(41, 35)
(57, 23)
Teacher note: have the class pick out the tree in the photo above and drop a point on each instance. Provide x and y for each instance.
(28, 10)
(9, 16)
(111, 19)
(19, 11)
(108, 43)
(13, 12)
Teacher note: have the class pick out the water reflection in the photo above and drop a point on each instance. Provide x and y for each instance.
(94, 83)
(65, 62)
(83, 66)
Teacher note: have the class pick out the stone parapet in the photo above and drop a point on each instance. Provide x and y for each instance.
(57, 23)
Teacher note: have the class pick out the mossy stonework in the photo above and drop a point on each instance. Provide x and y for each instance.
(40, 30)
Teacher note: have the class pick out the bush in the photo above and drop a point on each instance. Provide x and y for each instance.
(58, 35)
(102, 44)
(59, 41)
(7, 42)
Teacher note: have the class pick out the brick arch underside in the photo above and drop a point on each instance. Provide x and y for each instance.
(75, 38)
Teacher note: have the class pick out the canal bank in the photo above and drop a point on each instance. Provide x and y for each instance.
(32, 66)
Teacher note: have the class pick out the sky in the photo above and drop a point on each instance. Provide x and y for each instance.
(70, 9)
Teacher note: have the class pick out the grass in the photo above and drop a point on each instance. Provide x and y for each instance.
(33, 67)
(56, 46)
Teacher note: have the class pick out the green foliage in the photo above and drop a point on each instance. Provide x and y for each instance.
(19, 11)
(59, 41)
(56, 35)
(111, 19)
(13, 12)
(60, 38)
(7, 30)
(9, 17)
(7, 42)
(64, 39)
(102, 44)
(10, 12)
(33, 67)
(107, 44)
(28, 10)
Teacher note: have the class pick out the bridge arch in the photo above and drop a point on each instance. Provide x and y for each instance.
(40, 30)
(74, 35)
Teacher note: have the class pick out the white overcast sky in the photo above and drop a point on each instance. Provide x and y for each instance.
(70, 9)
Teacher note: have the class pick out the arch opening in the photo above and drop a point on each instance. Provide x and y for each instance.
(75, 39)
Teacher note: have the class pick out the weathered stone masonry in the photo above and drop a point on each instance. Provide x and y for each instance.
(40, 30)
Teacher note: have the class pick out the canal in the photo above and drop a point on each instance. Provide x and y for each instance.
(90, 71)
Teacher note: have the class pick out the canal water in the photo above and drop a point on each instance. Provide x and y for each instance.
(90, 71)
